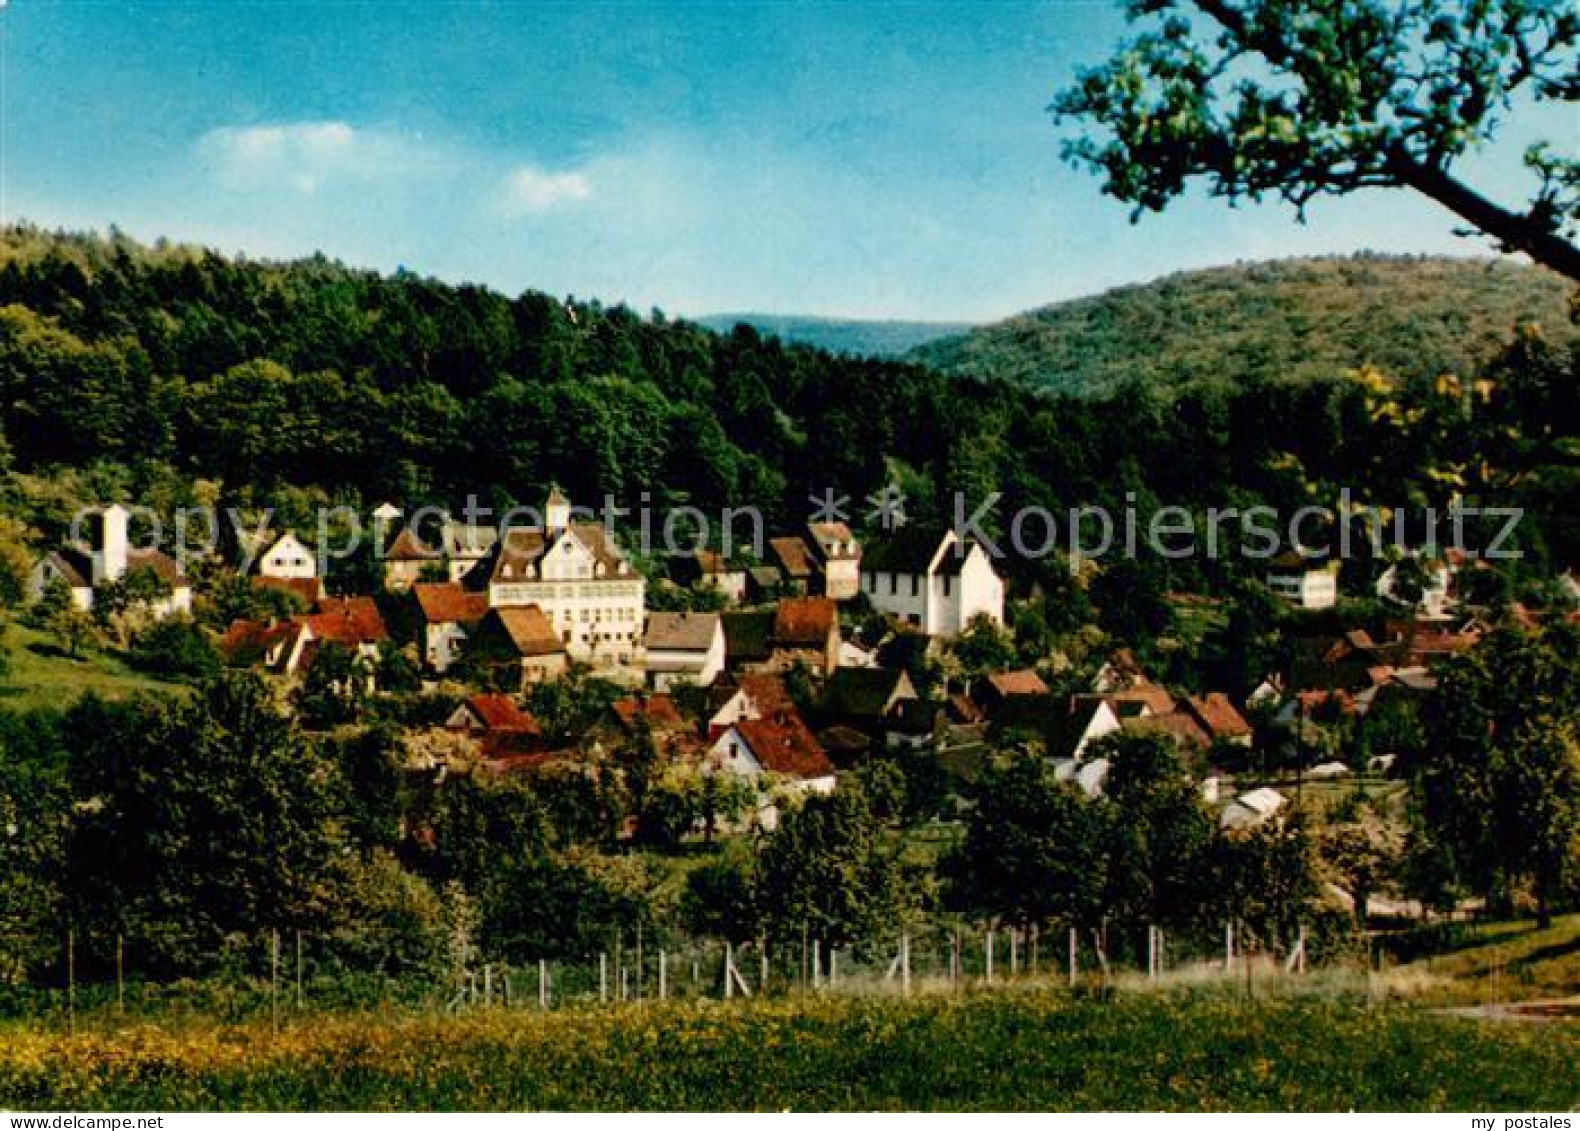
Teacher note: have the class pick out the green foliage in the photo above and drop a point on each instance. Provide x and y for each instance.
(211, 816)
(1288, 321)
(1033, 849)
(1276, 97)
(1498, 780)
(827, 872)
(175, 647)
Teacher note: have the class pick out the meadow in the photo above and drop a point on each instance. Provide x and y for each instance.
(1012, 1049)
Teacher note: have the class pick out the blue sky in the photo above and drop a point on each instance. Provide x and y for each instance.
(861, 160)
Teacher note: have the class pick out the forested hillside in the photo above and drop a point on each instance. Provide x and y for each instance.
(1286, 320)
(175, 375)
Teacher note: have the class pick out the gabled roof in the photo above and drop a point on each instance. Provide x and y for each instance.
(805, 621)
(911, 549)
(1217, 715)
(500, 713)
(834, 541)
(681, 632)
(865, 692)
(1023, 682)
(1175, 724)
(408, 547)
(74, 567)
(468, 539)
(794, 555)
(247, 641)
(782, 745)
(449, 602)
(160, 564)
(348, 620)
(516, 555)
(658, 711)
(527, 629)
(766, 691)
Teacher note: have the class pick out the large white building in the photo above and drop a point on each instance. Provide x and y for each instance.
(1305, 582)
(577, 575)
(108, 556)
(930, 579)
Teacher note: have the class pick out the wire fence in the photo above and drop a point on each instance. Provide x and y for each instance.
(278, 974)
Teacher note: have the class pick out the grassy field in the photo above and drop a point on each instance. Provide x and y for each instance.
(1009, 1050)
(42, 675)
(1498, 962)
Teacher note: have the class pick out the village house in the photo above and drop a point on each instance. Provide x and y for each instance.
(805, 630)
(777, 751)
(868, 700)
(797, 566)
(931, 580)
(995, 690)
(504, 732)
(1304, 581)
(1086, 721)
(838, 558)
(287, 557)
(408, 559)
(446, 615)
(106, 557)
(1218, 718)
(522, 639)
(749, 695)
(681, 648)
(1436, 580)
(577, 576)
(289, 647)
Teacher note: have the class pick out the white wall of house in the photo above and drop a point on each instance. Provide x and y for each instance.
(1309, 589)
(675, 666)
(942, 601)
(45, 574)
(289, 558)
(442, 644)
(1102, 723)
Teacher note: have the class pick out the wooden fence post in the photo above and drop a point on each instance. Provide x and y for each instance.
(603, 976)
(663, 975)
(905, 963)
(833, 967)
(817, 964)
(1074, 943)
(543, 984)
(988, 947)
(1014, 951)
(120, 975)
(298, 968)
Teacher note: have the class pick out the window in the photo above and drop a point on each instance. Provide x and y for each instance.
(916, 585)
(894, 584)
(947, 580)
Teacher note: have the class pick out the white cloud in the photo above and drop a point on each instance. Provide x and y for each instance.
(305, 156)
(529, 190)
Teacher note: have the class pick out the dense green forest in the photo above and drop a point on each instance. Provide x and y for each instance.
(1295, 320)
(177, 375)
(864, 337)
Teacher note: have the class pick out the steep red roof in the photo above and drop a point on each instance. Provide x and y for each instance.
(795, 556)
(766, 691)
(527, 628)
(500, 713)
(659, 712)
(1024, 682)
(448, 602)
(348, 620)
(407, 547)
(782, 744)
(805, 621)
(1176, 724)
(1217, 715)
(304, 589)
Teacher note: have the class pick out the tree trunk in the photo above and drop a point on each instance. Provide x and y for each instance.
(1515, 231)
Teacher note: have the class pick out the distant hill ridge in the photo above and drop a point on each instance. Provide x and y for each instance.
(878, 338)
(1293, 319)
